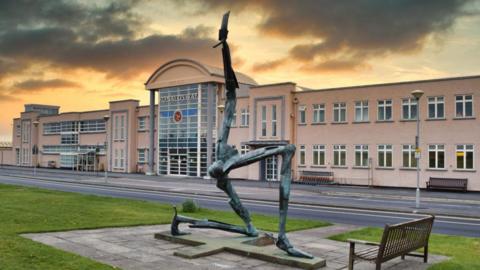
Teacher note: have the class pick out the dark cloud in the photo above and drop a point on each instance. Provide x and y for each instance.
(39, 85)
(345, 32)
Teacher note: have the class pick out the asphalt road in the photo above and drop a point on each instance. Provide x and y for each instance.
(443, 224)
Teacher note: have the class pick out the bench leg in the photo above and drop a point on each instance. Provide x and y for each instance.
(403, 257)
(379, 266)
(350, 256)
(425, 254)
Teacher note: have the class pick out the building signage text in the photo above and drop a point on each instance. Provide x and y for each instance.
(179, 97)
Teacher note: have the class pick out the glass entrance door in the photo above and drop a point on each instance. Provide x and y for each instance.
(271, 168)
(177, 164)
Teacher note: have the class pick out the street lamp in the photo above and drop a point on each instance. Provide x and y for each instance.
(35, 149)
(417, 94)
(106, 118)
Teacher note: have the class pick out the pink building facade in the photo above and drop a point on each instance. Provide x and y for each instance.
(361, 135)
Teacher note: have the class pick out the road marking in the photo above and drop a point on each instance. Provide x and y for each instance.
(268, 204)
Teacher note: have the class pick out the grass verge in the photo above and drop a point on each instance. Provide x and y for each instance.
(24, 210)
(464, 251)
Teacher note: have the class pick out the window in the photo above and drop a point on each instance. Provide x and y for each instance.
(436, 107)
(116, 132)
(25, 131)
(244, 149)
(92, 126)
(409, 109)
(245, 117)
(17, 156)
(122, 158)
(339, 155)
(234, 119)
(142, 155)
(361, 155)
(385, 153)
(339, 112)
(115, 159)
(408, 156)
(122, 127)
(465, 155)
(271, 170)
(318, 113)
(318, 155)
(463, 106)
(302, 114)
(18, 130)
(264, 120)
(436, 156)
(69, 138)
(385, 110)
(361, 111)
(142, 123)
(51, 128)
(301, 160)
(274, 120)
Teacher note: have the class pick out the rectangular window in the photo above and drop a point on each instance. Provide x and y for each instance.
(318, 155)
(116, 158)
(408, 156)
(25, 131)
(122, 127)
(385, 153)
(69, 138)
(18, 130)
(361, 111)
(17, 156)
(92, 126)
(245, 117)
(142, 123)
(463, 106)
(301, 160)
(302, 114)
(384, 110)
(339, 112)
(339, 155)
(436, 156)
(122, 158)
(244, 149)
(318, 113)
(465, 154)
(274, 120)
(116, 132)
(436, 107)
(361, 155)
(409, 109)
(142, 155)
(264, 120)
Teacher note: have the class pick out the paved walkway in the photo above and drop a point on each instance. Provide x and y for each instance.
(135, 248)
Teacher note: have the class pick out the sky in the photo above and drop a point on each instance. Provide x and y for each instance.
(82, 54)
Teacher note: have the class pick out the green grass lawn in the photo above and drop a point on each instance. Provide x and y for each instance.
(464, 251)
(24, 210)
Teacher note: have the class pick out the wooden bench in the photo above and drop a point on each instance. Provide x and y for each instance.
(315, 177)
(397, 240)
(447, 183)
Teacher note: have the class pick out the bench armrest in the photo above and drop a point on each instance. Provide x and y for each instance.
(362, 242)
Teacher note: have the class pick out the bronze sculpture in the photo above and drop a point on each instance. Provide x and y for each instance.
(228, 159)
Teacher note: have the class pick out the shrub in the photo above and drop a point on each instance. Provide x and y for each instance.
(190, 206)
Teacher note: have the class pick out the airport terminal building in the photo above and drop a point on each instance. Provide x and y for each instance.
(361, 135)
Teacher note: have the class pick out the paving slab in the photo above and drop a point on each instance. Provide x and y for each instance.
(136, 248)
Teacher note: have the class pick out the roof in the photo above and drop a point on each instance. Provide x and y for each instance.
(5, 144)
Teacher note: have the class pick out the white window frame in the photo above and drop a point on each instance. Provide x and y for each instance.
(244, 148)
(383, 106)
(318, 113)
(338, 151)
(464, 149)
(464, 100)
(302, 159)
(142, 123)
(274, 120)
(245, 115)
(338, 108)
(361, 111)
(234, 119)
(362, 151)
(409, 150)
(302, 114)
(264, 121)
(407, 105)
(387, 151)
(436, 101)
(436, 149)
(318, 151)
(142, 154)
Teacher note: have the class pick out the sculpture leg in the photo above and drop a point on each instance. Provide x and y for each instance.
(286, 178)
(225, 185)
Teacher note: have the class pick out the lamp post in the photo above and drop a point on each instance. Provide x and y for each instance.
(35, 149)
(106, 118)
(417, 94)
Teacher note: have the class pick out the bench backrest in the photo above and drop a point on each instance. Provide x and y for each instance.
(448, 181)
(404, 237)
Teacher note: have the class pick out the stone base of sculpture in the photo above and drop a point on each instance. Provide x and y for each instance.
(261, 247)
